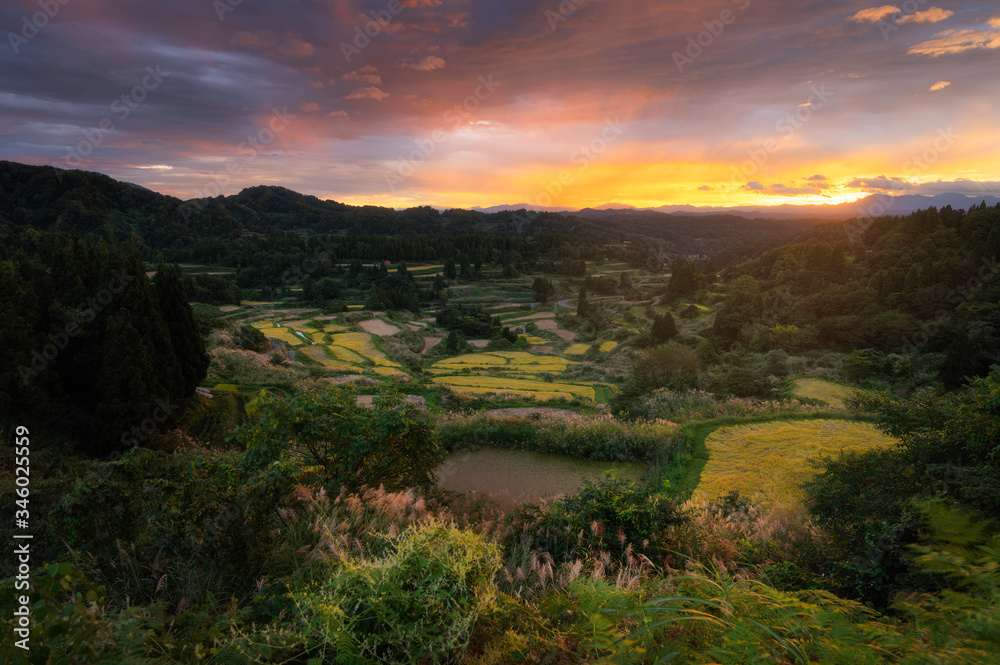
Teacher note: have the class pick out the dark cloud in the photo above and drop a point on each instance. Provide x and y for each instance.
(367, 85)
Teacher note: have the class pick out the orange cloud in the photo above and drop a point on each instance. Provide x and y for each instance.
(368, 93)
(932, 15)
(875, 14)
(950, 42)
(428, 64)
(940, 85)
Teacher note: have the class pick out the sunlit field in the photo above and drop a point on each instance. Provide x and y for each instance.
(771, 461)
(831, 393)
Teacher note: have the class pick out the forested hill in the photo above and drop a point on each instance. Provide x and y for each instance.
(89, 203)
(928, 282)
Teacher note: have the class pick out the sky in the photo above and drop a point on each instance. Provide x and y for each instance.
(463, 103)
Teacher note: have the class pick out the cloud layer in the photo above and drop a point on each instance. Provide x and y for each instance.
(470, 102)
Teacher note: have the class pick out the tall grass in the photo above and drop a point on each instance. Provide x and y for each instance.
(690, 405)
(599, 438)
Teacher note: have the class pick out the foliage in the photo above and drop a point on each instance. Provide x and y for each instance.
(947, 449)
(338, 442)
(417, 604)
(665, 366)
(587, 437)
(470, 320)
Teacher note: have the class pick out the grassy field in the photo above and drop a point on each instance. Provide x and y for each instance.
(831, 393)
(771, 461)
(481, 385)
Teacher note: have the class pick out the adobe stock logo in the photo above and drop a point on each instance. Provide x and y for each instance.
(30, 27)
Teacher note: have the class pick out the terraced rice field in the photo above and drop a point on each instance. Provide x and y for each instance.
(507, 361)
(577, 349)
(831, 393)
(771, 461)
(535, 341)
(361, 344)
(540, 390)
(522, 370)
(285, 335)
(320, 355)
(608, 347)
(332, 348)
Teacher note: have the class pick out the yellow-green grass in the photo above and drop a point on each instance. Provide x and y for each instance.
(770, 461)
(608, 347)
(390, 371)
(346, 355)
(472, 360)
(577, 349)
(831, 393)
(521, 394)
(502, 384)
(253, 303)
(302, 325)
(320, 355)
(361, 343)
(503, 361)
(283, 335)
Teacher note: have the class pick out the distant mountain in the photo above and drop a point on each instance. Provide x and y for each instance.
(891, 205)
(88, 203)
(878, 204)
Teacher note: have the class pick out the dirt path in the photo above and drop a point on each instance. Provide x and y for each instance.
(431, 342)
(552, 326)
(378, 327)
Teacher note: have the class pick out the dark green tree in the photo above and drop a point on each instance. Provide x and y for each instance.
(664, 328)
(183, 331)
(449, 269)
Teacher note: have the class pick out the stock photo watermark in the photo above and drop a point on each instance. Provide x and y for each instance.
(458, 114)
(121, 107)
(561, 13)
(59, 340)
(915, 166)
(784, 128)
(22, 538)
(33, 24)
(957, 297)
(380, 22)
(141, 432)
(247, 151)
(697, 43)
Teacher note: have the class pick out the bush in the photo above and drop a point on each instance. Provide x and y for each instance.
(246, 337)
(419, 604)
(328, 436)
(596, 438)
(665, 366)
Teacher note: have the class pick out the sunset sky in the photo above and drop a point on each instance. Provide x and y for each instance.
(473, 103)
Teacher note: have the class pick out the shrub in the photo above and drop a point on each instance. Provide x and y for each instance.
(418, 604)
(665, 366)
(246, 337)
(327, 435)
